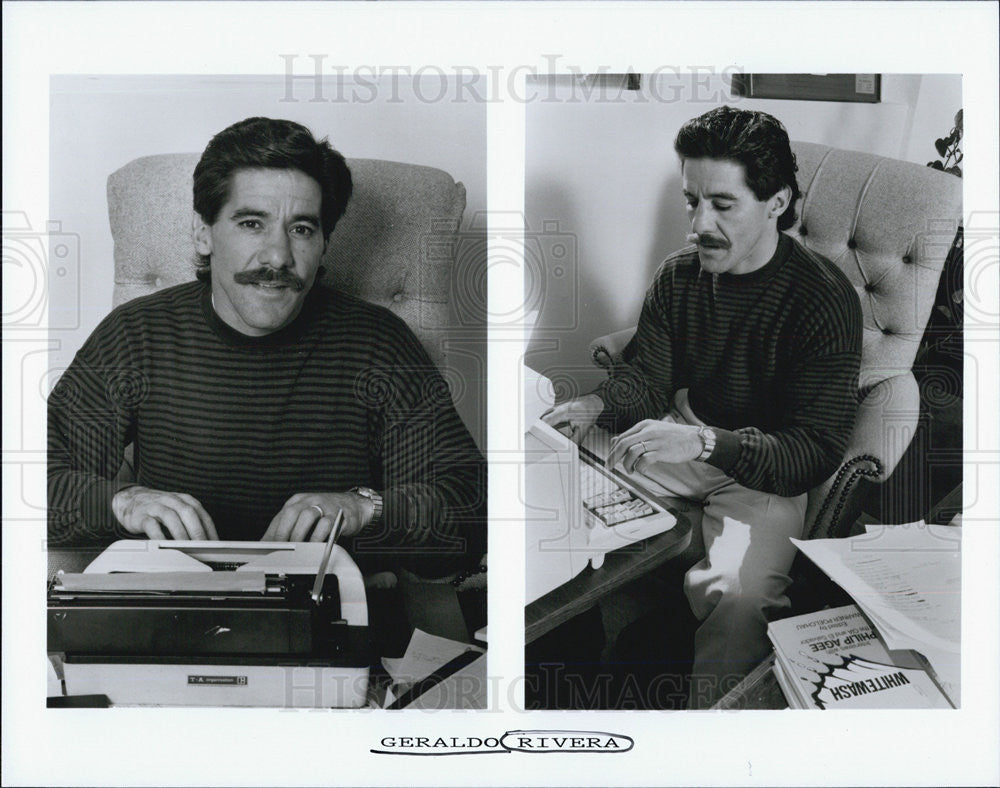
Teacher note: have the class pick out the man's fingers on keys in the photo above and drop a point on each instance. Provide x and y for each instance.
(631, 437)
(635, 453)
(619, 450)
(636, 428)
(203, 517)
(271, 534)
(151, 527)
(190, 521)
(171, 522)
(304, 523)
(556, 416)
(322, 530)
(578, 431)
(281, 526)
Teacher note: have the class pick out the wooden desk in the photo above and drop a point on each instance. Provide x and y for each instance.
(587, 588)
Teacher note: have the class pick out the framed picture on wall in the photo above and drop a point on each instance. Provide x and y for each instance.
(864, 88)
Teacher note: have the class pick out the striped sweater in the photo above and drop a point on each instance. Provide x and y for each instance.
(770, 359)
(344, 395)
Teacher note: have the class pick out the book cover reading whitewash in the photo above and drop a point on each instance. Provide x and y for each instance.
(834, 659)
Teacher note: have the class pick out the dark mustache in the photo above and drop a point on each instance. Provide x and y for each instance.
(269, 276)
(711, 242)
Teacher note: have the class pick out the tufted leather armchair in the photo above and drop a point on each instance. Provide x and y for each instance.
(394, 246)
(889, 226)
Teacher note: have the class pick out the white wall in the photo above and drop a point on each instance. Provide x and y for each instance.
(602, 179)
(99, 123)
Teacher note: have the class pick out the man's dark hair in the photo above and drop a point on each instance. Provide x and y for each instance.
(756, 140)
(276, 144)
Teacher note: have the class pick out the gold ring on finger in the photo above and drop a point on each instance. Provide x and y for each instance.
(318, 508)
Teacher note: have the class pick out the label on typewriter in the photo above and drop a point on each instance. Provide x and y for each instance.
(228, 681)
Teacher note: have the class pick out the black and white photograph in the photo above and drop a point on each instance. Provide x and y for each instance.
(756, 339)
(487, 393)
(266, 471)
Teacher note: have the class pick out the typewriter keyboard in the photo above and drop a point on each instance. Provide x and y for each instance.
(609, 502)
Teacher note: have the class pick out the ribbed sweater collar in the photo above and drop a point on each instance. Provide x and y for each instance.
(781, 253)
(279, 339)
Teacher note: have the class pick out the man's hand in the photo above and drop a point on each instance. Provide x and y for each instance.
(309, 517)
(655, 441)
(162, 515)
(580, 414)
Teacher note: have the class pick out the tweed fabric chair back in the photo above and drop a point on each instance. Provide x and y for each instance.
(394, 246)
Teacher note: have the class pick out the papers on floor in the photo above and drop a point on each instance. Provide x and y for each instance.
(907, 580)
(834, 659)
(432, 656)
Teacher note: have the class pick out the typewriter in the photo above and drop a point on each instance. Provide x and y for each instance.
(206, 623)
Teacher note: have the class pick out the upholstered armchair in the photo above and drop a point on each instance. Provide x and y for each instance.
(889, 226)
(394, 246)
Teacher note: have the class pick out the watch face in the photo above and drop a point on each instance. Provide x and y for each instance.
(374, 497)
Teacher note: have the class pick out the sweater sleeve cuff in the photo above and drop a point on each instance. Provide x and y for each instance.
(95, 505)
(727, 450)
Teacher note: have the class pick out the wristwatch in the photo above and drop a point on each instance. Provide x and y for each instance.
(374, 497)
(707, 436)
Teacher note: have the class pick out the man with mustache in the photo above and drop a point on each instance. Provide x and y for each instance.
(739, 387)
(262, 403)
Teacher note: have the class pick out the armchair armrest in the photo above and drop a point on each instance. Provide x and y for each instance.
(605, 349)
(885, 425)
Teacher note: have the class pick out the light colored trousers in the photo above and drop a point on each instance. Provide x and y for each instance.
(740, 583)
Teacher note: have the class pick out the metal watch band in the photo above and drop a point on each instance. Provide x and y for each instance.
(708, 440)
(374, 497)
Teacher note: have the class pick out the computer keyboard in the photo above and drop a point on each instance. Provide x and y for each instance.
(608, 501)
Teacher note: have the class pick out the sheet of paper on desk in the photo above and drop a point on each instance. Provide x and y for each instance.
(465, 689)
(424, 654)
(908, 582)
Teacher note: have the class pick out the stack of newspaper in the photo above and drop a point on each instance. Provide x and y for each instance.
(906, 581)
